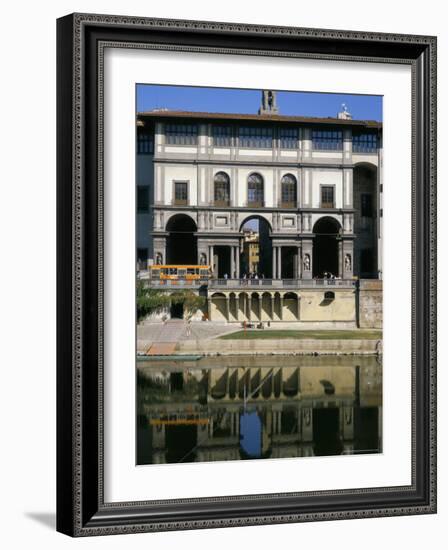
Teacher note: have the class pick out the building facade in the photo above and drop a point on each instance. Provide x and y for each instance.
(313, 186)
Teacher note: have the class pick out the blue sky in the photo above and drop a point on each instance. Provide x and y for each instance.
(229, 100)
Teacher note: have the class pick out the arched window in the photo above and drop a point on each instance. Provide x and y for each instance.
(289, 191)
(222, 189)
(255, 191)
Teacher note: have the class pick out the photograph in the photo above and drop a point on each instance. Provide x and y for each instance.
(246, 274)
(259, 268)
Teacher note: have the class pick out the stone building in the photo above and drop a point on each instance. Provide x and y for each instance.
(313, 185)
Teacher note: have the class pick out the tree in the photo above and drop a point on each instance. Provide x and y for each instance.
(150, 300)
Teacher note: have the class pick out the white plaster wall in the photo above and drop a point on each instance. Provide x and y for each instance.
(182, 149)
(288, 154)
(184, 172)
(255, 153)
(241, 181)
(327, 155)
(326, 177)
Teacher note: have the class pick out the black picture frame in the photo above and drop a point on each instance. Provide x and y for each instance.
(81, 510)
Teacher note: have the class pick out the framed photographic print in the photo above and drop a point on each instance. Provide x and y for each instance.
(246, 274)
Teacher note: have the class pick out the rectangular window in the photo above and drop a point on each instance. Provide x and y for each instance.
(180, 192)
(366, 142)
(327, 196)
(327, 140)
(142, 199)
(253, 136)
(145, 144)
(222, 136)
(366, 205)
(181, 134)
(288, 138)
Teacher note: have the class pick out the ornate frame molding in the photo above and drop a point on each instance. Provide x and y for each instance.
(81, 42)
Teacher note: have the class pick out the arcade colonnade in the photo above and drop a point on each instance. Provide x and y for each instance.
(253, 306)
(324, 244)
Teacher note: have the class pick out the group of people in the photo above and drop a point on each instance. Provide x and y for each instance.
(327, 275)
(253, 275)
(244, 276)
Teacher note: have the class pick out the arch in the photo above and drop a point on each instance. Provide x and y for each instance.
(255, 306)
(181, 241)
(326, 247)
(267, 307)
(288, 191)
(255, 190)
(365, 203)
(242, 304)
(172, 220)
(260, 217)
(218, 307)
(256, 256)
(233, 306)
(291, 306)
(221, 186)
(329, 298)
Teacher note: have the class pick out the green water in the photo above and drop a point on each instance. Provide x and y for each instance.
(246, 407)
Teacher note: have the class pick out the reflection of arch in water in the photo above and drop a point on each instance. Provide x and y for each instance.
(181, 241)
(326, 435)
(325, 247)
(250, 435)
(291, 383)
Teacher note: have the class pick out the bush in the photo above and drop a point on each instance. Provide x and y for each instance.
(150, 300)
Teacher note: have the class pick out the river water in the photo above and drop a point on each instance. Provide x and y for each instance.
(196, 409)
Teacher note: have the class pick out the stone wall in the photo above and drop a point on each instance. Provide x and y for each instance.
(316, 307)
(280, 346)
(370, 303)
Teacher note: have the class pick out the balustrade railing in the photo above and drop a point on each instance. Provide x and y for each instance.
(252, 283)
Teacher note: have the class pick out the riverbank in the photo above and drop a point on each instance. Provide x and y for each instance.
(271, 334)
(281, 346)
(208, 339)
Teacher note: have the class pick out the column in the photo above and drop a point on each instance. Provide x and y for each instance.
(232, 262)
(347, 423)
(281, 307)
(279, 262)
(209, 309)
(211, 259)
(340, 259)
(227, 307)
(248, 307)
(274, 262)
(299, 263)
(238, 261)
(272, 305)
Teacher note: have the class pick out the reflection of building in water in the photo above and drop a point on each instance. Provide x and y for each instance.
(238, 413)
